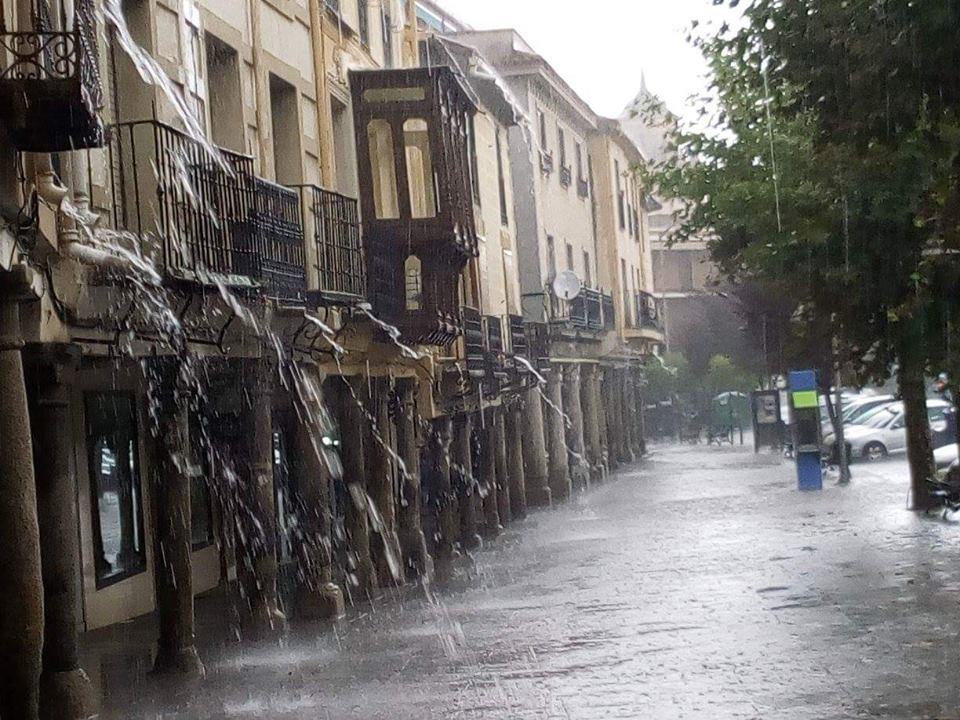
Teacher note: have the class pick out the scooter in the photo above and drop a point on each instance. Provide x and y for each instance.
(947, 490)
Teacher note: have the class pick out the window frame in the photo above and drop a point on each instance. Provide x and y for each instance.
(104, 581)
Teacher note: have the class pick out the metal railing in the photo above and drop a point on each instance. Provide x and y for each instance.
(566, 175)
(494, 332)
(279, 232)
(546, 161)
(473, 340)
(518, 335)
(205, 217)
(332, 224)
(586, 311)
(649, 311)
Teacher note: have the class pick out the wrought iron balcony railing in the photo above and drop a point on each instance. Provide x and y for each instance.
(473, 341)
(50, 90)
(332, 226)
(649, 311)
(279, 232)
(205, 217)
(566, 175)
(494, 333)
(546, 162)
(609, 314)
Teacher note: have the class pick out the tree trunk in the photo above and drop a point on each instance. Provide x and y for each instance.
(919, 449)
(835, 411)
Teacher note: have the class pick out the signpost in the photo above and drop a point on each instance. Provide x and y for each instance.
(805, 401)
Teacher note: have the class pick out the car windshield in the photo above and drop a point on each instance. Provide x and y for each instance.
(868, 414)
(884, 416)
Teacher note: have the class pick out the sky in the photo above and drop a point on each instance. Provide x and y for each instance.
(602, 53)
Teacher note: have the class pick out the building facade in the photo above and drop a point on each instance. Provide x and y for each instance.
(277, 315)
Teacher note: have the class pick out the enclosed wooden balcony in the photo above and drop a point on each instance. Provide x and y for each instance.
(50, 91)
(413, 130)
(202, 215)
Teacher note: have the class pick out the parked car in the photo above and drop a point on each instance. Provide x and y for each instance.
(858, 416)
(885, 432)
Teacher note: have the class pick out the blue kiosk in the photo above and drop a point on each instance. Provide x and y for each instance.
(805, 401)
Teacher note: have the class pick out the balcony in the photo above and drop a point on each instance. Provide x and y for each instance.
(566, 176)
(205, 219)
(331, 223)
(416, 196)
(583, 188)
(649, 312)
(590, 312)
(546, 162)
(473, 342)
(50, 91)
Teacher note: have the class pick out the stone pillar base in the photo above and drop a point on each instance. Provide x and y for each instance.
(182, 661)
(325, 603)
(539, 494)
(67, 696)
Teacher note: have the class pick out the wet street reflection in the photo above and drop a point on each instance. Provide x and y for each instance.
(698, 583)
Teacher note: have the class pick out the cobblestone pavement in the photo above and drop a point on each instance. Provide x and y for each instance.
(699, 584)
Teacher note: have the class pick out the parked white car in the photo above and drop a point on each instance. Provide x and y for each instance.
(858, 416)
(885, 432)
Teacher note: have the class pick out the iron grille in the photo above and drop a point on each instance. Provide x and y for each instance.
(609, 314)
(518, 336)
(649, 311)
(203, 216)
(494, 334)
(279, 232)
(566, 175)
(334, 223)
(473, 340)
(50, 89)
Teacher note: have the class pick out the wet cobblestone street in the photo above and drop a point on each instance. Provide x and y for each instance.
(698, 584)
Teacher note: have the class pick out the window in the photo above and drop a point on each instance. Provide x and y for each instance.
(387, 40)
(223, 89)
(587, 273)
(285, 118)
(561, 146)
(416, 141)
(578, 157)
(115, 486)
(619, 186)
(501, 184)
(201, 470)
(543, 131)
(627, 305)
(413, 283)
(474, 171)
(383, 169)
(569, 257)
(551, 256)
(363, 23)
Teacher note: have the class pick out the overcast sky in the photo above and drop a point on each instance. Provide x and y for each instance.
(601, 47)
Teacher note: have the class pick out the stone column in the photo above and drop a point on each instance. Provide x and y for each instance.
(65, 690)
(356, 517)
(380, 482)
(173, 550)
(590, 404)
(602, 417)
(576, 446)
(553, 410)
(534, 441)
(21, 602)
(611, 446)
(516, 478)
(632, 413)
(464, 481)
(445, 502)
(318, 596)
(626, 416)
(489, 481)
(498, 440)
(257, 545)
(413, 543)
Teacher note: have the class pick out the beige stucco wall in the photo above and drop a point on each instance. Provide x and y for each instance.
(561, 212)
(500, 293)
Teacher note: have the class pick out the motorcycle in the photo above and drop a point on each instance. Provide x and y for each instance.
(947, 490)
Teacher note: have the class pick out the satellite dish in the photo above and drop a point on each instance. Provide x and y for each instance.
(566, 285)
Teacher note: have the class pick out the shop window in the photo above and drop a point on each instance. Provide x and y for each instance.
(383, 169)
(416, 141)
(117, 502)
(413, 283)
